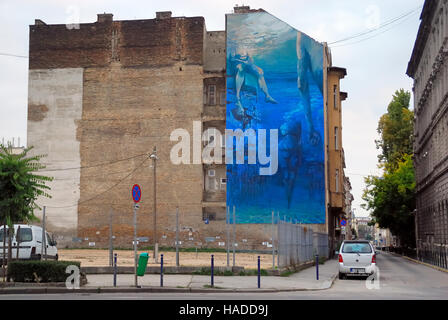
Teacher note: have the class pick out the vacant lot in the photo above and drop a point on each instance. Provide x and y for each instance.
(98, 257)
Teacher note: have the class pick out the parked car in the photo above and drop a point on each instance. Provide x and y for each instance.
(356, 258)
(30, 243)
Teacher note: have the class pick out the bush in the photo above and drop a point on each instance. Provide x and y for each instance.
(39, 271)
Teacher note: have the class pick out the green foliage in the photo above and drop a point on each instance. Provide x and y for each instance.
(39, 271)
(19, 186)
(396, 130)
(392, 199)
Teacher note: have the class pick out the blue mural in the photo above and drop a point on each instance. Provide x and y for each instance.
(275, 81)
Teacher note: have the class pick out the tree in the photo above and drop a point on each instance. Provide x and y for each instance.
(19, 189)
(391, 197)
(392, 200)
(396, 130)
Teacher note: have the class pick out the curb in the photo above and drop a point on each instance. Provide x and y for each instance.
(59, 290)
(420, 262)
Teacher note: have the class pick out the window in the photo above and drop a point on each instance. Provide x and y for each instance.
(335, 96)
(337, 180)
(336, 139)
(25, 235)
(2, 235)
(212, 95)
(222, 98)
(223, 184)
(360, 247)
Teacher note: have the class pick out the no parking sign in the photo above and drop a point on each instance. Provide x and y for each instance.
(136, 193)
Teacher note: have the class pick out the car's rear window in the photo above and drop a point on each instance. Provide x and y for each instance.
(356, 247)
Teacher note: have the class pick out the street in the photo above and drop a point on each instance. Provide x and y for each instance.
(399, 279)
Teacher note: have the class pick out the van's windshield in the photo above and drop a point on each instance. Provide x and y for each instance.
(25, 235)
(356, 247)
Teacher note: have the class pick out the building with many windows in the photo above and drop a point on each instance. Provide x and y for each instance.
(428, 67)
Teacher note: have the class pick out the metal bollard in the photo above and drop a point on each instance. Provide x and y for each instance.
(115, 269)
(161, 270)
(317, 267)
(212, 267)
(259, 272)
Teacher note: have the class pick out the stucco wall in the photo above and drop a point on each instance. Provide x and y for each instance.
(54, 109)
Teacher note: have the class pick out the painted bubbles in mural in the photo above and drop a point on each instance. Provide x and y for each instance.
(275, 81)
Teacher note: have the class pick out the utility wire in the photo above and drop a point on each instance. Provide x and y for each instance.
(381, 26)
(12, 55)
(96, 165)
(373, 36)
(107, 190)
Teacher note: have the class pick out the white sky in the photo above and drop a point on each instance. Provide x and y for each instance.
(376, 67)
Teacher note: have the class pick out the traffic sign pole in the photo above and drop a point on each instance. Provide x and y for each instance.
(135, 245)
(136, 196)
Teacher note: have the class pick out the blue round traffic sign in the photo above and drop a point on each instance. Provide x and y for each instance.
(343, 223)
(136, 193)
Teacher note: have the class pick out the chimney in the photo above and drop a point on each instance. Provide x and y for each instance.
(163, 15)
(38, 22)
(105, 17)
(242, 9)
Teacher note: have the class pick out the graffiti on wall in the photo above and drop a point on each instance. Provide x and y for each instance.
(275, 81)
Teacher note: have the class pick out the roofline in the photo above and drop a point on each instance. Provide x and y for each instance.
(424, 29)
(341, 71)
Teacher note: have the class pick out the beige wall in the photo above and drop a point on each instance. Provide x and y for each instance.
(54, 111)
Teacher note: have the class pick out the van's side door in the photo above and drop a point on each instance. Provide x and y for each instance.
(51, 250)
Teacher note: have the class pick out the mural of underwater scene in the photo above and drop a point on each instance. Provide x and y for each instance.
(275, 81)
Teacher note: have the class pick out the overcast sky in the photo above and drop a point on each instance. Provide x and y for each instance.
(376, 61)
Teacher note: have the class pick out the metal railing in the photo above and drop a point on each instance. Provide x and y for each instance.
(298, 244)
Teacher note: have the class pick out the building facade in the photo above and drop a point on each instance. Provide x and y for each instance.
(429, 69)
(103, 95)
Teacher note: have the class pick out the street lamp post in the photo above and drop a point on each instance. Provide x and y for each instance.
(154, 158)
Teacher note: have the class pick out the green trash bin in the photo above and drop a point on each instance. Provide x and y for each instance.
(142, 262)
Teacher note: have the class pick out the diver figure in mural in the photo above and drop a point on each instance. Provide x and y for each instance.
(291, 130)
(290, 149)
(245, 67)
(309, 62)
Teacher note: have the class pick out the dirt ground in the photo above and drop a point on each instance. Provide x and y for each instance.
(98, 257)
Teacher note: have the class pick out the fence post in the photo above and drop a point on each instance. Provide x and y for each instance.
(115, 269)
(259, 273)
(212, 266)
(161, 270)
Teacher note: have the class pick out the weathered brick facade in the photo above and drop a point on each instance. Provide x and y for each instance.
(131, 84)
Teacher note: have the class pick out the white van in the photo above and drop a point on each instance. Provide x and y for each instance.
(30, 245)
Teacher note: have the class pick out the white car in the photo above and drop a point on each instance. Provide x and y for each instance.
(30, 245)
(356, 258)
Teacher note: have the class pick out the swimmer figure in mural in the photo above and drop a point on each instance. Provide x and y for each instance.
(290, 146)
(246, 70)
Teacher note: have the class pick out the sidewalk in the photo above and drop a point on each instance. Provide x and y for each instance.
(100, 283)
(303, 280)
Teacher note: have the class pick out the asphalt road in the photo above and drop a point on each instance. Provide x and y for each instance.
(399, 279)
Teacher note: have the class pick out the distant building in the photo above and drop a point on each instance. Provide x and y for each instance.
(363, 229)
(428, 67)
(383, 238)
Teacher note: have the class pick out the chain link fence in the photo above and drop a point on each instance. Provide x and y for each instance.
(298, 244)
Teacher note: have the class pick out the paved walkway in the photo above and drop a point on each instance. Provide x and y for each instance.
(303, 280)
